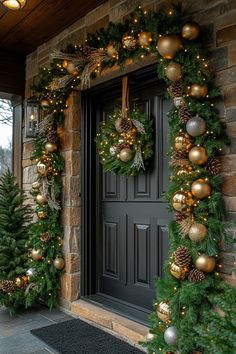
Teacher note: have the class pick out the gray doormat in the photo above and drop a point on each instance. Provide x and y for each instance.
(78, 337)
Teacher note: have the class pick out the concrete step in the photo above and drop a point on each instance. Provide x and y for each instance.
(122, 327)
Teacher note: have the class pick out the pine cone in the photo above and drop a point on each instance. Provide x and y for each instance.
(182, 256)
(125, 125)
(121, 146)
(7, 286)
(45, 237)
(179, 155)
(52, 136)
(213, 166)
(176, 89)
(179, 217)
(196, 275)
(184, 114)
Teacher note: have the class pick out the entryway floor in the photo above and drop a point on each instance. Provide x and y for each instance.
(15, 336)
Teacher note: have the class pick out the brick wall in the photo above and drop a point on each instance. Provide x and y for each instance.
(218, 22)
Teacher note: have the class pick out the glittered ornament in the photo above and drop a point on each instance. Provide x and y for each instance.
(145, 39)
(125, 155)
(45, 104)
(41, 168)
(41, 199)
(178, 102)
(182, 256)
(163, 311)
(112, 51)
(36, 254)
(22, 281)
(173, 71)
(213, 166)
(50, 147)
(178, 272)
(170, 335)
(200, 188)
(128, 41)
(196, 126)
(182, 201)
(190, 30)
(198, 155)
(198, 91)
(205, 263)
(59, 263)
(42, 215)
(197, 232)
(113, 150)
(183, 142)
(184, 171)
(196, 276)
(168, 45)
(30, 272)
(184, 114)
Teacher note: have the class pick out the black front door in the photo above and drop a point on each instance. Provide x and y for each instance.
(131, 217)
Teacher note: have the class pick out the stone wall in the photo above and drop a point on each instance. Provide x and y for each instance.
(218, 22)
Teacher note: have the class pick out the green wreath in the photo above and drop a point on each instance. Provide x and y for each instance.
(125, 142)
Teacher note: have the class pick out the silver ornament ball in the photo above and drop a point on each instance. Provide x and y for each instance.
(196, 126)
(178, 101)
(30, 272)
(170, 335)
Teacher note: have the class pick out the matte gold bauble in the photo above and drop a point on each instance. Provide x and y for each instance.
(163, 311)
(59, 263)
(205, 263)
(41, 199)
(111, 51)
(36, 185)
(190, 30)
(71, 68)
(41, 168)
(198, 91)
(44, 104)
(183, 142)
(42, 215)
(200, 188)
(36, 255)
(184, 170)
(183, 201)
(168, 45)
(51, 147)
(178, 272)
(144, 39)
(198, 156)
(197, 232)
(125, 155)
(128, 41)
(173, 71)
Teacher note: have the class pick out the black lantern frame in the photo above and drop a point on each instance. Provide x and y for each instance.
(32, 117)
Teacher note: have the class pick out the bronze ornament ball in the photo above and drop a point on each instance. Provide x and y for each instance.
(196, 126)
(182, 201)
(190, 30)
(125, 155)
(168, 45)
(197, 232)
(198, 91)
(205, 263)
(50, 147)
(41, 199)
(178, 272)
(200, 188)
(111, 51)
(59, 263)
(42, 215)
(198, 156)
(145, 39)
(174, 71)
(36, 255)
(44, 104)
(128, 41)
(183, 142)
(163, 311)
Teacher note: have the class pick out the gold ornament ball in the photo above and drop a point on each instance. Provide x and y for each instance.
(36, 185)
(190, 30)
(200, 188)
(41, 199)
(168, 45)
(44, 104)
(198, 91)
(150, 337)
(128, 41)
(184, 170)
(125, 155)
(36, 255)
(197, 232)
(163, 311)
(59, 263)
(198, 156)
(205, 263)
(71, 68)
(178, 272)
(183, 201)
(183, 142)
(174, 71)
(19, 282)
(111, 51)
(42, 215)
(41, 168)
(51, 147)
(145, 39)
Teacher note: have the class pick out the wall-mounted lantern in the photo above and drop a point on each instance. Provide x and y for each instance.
(32, 117)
